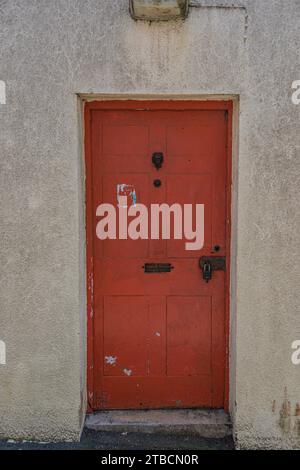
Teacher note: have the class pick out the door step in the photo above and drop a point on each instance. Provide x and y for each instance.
(204, 423)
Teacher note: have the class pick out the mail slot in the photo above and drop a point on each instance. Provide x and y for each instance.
(158, 267)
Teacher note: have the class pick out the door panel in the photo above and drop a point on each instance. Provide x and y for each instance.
(188, 327)
(158, 340)
(193, 188)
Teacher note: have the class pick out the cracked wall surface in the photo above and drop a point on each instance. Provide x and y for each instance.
(49, 52)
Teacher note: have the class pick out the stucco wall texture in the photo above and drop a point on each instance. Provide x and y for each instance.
(50, 53)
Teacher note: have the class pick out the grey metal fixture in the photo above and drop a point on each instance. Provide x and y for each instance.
(158, 10)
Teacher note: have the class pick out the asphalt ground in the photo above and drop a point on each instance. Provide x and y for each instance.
(126, 441)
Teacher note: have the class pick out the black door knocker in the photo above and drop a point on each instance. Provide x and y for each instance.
(157, 159)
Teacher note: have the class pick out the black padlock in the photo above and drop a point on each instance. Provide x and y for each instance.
(207, 271)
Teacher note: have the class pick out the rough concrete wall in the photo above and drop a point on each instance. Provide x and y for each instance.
(268, 392)
(51, 51)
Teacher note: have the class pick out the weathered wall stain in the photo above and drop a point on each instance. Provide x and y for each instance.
(289, 417)
(297, 420)
(285, 414)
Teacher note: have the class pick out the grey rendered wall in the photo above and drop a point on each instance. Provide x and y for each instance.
(49, 52)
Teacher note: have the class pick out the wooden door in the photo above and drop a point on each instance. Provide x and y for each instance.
(157, 340)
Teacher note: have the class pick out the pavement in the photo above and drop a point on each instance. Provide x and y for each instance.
(180, 429)
(97, 440)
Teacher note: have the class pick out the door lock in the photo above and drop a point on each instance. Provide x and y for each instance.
(208, 264)
(207, 271)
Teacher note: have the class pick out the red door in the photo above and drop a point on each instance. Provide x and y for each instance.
(157, 340)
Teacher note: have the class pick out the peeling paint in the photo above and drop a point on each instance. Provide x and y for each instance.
(127, 371)
(127, 190)
(91, 290)
(111, 360)
(157, 333)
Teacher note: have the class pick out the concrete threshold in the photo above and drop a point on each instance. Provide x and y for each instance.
(203, 423)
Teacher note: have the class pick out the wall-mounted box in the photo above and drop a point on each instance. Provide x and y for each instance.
(158, 10)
